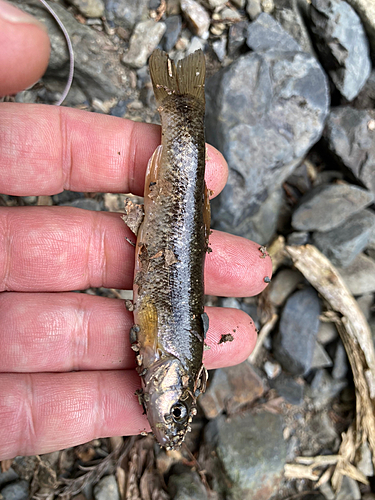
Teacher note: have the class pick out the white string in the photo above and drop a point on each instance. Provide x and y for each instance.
(70, 49)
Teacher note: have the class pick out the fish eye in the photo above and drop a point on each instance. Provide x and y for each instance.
(179, 412)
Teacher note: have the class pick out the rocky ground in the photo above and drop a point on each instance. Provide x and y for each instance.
(290, 99)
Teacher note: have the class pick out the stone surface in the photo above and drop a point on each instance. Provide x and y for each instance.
(323, 389)
(126, 13)
(220, 47)
(237, 37)
(18, 490)
(197, 17)
(89, 8)
(107, 489)
(342, 44)
(294, 343)
(173, 25)
(8, 476)
(350, 136)
(288, 14)
(349, 489)
(298, 238)
(144, 40)
(366, 11)
(288, 388)
(98, 71)
(360, 275)
(283, 284)
(320, 357)
(328, 206)
(252, 452)
(253, 8)
(85, 203)
(323, 429)
(266, 33)
(184, 484)
(327, 333)
(230, 388)
(264, 112)
(342, 244)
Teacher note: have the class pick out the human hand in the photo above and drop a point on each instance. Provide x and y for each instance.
(67, 368)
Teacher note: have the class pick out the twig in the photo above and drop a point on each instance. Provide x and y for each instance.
(266, 329)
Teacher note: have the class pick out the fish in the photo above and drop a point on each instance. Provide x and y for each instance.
(170, 324)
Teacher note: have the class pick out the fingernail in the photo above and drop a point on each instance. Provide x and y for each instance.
(16, 16)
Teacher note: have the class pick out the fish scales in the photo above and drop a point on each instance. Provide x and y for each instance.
(171, 245)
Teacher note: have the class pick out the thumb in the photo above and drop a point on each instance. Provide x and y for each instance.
(25, 49)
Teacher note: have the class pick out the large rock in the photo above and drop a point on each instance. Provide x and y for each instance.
(359, 276)
(252, 452)
(98, 71)
(264, 112)
(342, 44)
(350, 136)
(294, 343)
(366, 11)
(126, 13)
(144, 40)
(328, 206)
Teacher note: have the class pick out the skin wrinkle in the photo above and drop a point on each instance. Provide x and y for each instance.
(7, 239)
(66, 151)
(79, 337)
(28, 413)
(131, 159)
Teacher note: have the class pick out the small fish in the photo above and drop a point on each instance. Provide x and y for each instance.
(172, 240)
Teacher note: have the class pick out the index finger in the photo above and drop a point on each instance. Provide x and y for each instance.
(46, 149)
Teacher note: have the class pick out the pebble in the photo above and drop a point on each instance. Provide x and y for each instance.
(272, 369)
(237, 37)
(266, 33)
(126, 13)
(328, 206)
(342, 45)
(216, 3)
(107, 489)
(320, 357)
(323, 389)
(18, 490)
(196, 43)
(184, 484)
(340, 363)
(197, 17)
(253, 8)
(366, 11)
(89, 8)
(252, 452)
(289, 15)
(8, 476)
(342, 244)
(327, 333)
(298, 238)
(220, 48)
(323, 429)
(283, 285)
(172, 32)
(349, 489)
(360, 275)
(144, 40)
(350, 136)
(364, 463)
(288, 388)
(230, 389)
(262, 131)
(294, 343)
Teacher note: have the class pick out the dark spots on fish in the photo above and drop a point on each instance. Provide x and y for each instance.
(227, 337)
(206, 324)
(267, 279)
(133, 334)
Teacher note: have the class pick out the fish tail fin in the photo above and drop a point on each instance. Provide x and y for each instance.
(185, 78)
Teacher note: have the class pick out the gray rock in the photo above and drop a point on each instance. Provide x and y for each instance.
(342, 244)
(89, 8)
(8, 476)
(264, 112)
(326, 207)
(342, 44)
(366, 11)
(323, 429)
(173, 25)
(365, 303)
(288, 14)
(360, 275)
(327, 333)
(283, 284)
(196, 43)
(230, 389)
(288, 388)
(323, 389)
(220, 47)
(350, 136)
(126, 13)
(266, 33)
(85, 203)
(252, 452)
(184, 484)
(349, 489)
(253, 8)
(294, 343)
(197, 17)
(18, 490)
(320, 357)
(98, 71)
(144, 40)
(364, 463)
(340, 362)
(237, 37)
(298, 238)
(107, 489)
